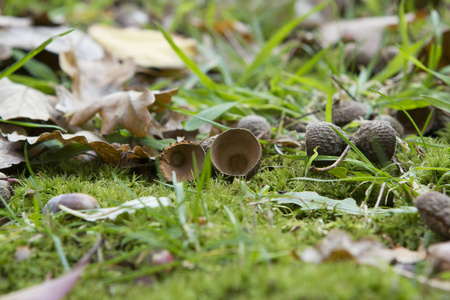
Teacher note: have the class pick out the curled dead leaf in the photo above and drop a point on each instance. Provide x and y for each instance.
(92, 79)
(130, 109)
(105, 151)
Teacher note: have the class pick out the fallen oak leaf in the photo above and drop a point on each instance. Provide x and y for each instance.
(105, 151)
(129, 109)
(92, 79)
(163, 97)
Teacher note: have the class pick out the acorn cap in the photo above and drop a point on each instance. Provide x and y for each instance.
(376, 140)
(344, 112)
(398, 127)
(258, 125)
(76, 201)
(236, 152)
(434, 210)
(178, 158)
(322, 135)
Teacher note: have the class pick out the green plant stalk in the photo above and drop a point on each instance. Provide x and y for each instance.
(14, 67)
(329, 107)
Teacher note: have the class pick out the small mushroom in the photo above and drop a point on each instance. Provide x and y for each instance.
(236, 152)
(258, 125)
(434, 210)
(322, 135)
(76, 201)
(178, 158)
(376, 140)
(6, 190)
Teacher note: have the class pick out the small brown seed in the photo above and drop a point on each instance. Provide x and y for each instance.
(322, 135)
(258, 125)
(398, 127)
(76, 201)
(344, 112)
(434, 210)
(6, 192)
(376, 140)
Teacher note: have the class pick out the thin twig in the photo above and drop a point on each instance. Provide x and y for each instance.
(335, 164)
(343, 88)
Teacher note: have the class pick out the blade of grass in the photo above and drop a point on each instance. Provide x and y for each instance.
(407, 114)
(415, 61)
(210, 114)
(441, 104)
(33, 125)
(205, 80)
(31, 54)
(305, 68)
(277, 38)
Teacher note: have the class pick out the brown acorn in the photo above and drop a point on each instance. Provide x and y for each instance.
(344, 112)
(321, 135)
(236, 152)
(76, 201)
(398, 127)
(434, 210)
(376, 140)
(178, 158)
(258, 125)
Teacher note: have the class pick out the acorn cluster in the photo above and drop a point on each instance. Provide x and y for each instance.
(375, 139)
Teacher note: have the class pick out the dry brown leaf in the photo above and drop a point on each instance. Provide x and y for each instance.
(92, 79)
(28, 38)
(21, 101)
(327, 14)
(162, 97)
(129, 109)
(148, 48)
(105, 151)
(8, 154)
(13, 133)
(8, 21)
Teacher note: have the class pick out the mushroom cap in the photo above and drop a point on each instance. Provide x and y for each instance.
(434, 210)
(322, 135)
(376, 140)
(258, 125)
(76, 201)
(236, 152)
(345, 112)
(178, 157)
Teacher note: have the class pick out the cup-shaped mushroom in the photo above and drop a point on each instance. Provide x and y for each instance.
(179, 158)
(236, 152)
(76, 201)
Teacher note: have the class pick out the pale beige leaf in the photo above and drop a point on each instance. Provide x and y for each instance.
(21, 101)
(148, 48)
(367, 32)
(28, 38)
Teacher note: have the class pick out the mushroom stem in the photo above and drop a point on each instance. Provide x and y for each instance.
(335, 164)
